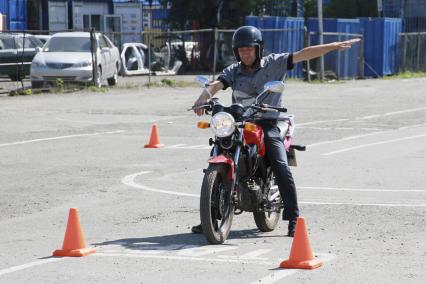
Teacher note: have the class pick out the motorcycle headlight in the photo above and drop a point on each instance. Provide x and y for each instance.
(222, 124)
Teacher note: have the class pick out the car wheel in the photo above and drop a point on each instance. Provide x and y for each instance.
(36, 85)
(98, 82)
(113, 80)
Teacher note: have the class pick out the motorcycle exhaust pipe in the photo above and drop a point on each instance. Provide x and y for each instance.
(275, 195)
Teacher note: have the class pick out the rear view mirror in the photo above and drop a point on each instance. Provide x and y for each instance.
(274, 86)
(203, 81)
(38, 49)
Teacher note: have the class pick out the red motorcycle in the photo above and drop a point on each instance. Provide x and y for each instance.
(239, 177)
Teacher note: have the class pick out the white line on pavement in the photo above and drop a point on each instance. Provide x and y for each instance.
(364, 204)
(130, 181)
(175, 257)
(275, 276)
(321, 121)
(361, 189)
(373, 144)
(28, 265)
(279, 274)
(60, 137)
(392, 113)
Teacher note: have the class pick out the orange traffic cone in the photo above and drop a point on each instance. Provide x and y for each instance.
(74, 244)
(301, 255)
(154, 140)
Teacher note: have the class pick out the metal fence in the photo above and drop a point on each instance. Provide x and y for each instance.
(208, 51)
(413, 51)
(348, 64)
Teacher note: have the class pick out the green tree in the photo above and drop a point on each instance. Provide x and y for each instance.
(213, 13)
(350, 9)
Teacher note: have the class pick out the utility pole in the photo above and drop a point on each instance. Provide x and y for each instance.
(321, 39)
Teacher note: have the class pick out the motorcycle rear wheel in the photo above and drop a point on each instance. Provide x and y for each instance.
(267, 221)
(216, 208)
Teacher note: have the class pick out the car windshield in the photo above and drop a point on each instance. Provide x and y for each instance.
(68, 44)
(7, 43)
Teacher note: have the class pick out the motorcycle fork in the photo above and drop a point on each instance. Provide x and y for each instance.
(234, 186)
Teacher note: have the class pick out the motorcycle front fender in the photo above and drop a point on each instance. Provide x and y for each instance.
(222, 159)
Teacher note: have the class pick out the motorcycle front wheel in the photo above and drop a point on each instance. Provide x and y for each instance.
(216, 208)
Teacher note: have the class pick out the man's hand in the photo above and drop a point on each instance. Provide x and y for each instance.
(202, 100)
(343, 45)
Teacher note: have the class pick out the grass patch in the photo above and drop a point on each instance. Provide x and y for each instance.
(171, 83)
(21, 92)
(406, 75)
(97, 89)
(317, 81)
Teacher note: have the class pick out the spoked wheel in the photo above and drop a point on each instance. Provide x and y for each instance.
(216, 208)
(267, 221)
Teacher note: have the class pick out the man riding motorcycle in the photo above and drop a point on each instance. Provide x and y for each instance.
(247, 78)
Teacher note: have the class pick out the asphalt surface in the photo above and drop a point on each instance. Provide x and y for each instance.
(361, 186)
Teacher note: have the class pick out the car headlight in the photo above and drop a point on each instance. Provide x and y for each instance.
(83, 64)
(38, 64)
(222, 124)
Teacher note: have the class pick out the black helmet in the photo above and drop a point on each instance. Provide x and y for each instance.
(247, 36)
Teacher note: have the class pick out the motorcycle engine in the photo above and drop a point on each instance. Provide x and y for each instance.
(250, 195)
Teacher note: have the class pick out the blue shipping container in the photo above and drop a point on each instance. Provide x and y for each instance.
(16, 13)
(283, 41)
(381, 39)
(343, 64)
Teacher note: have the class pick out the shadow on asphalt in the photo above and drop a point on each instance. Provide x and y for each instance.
(155, 242)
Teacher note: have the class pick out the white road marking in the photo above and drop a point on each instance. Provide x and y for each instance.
(60, 137)
(364, 204)
(192, 250)
(346, 139)
(175, 146)
(185, 146)
(392, 113)
(252, 255)
(175, 257)
(129, 180)
(361, 189)
(28, 265)
(373, 144)
(321, 121)
(281, 273)
(275, 276)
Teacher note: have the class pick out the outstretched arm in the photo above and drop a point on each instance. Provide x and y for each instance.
(207, 93)
(315, 51)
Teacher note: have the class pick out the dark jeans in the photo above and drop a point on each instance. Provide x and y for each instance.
(277, 156)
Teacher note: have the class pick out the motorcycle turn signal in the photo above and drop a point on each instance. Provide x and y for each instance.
(203, 124)
(248, 126)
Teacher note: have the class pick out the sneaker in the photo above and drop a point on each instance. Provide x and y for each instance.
(291, 228)
(197, 229)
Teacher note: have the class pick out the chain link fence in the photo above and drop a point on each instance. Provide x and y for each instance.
(348, 64)
(413, 52)
(206, 51)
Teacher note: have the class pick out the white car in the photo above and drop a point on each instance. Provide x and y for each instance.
(68, 56)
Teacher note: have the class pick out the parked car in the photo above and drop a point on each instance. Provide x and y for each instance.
(68, 56)
(16, 53)
(43, 38)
